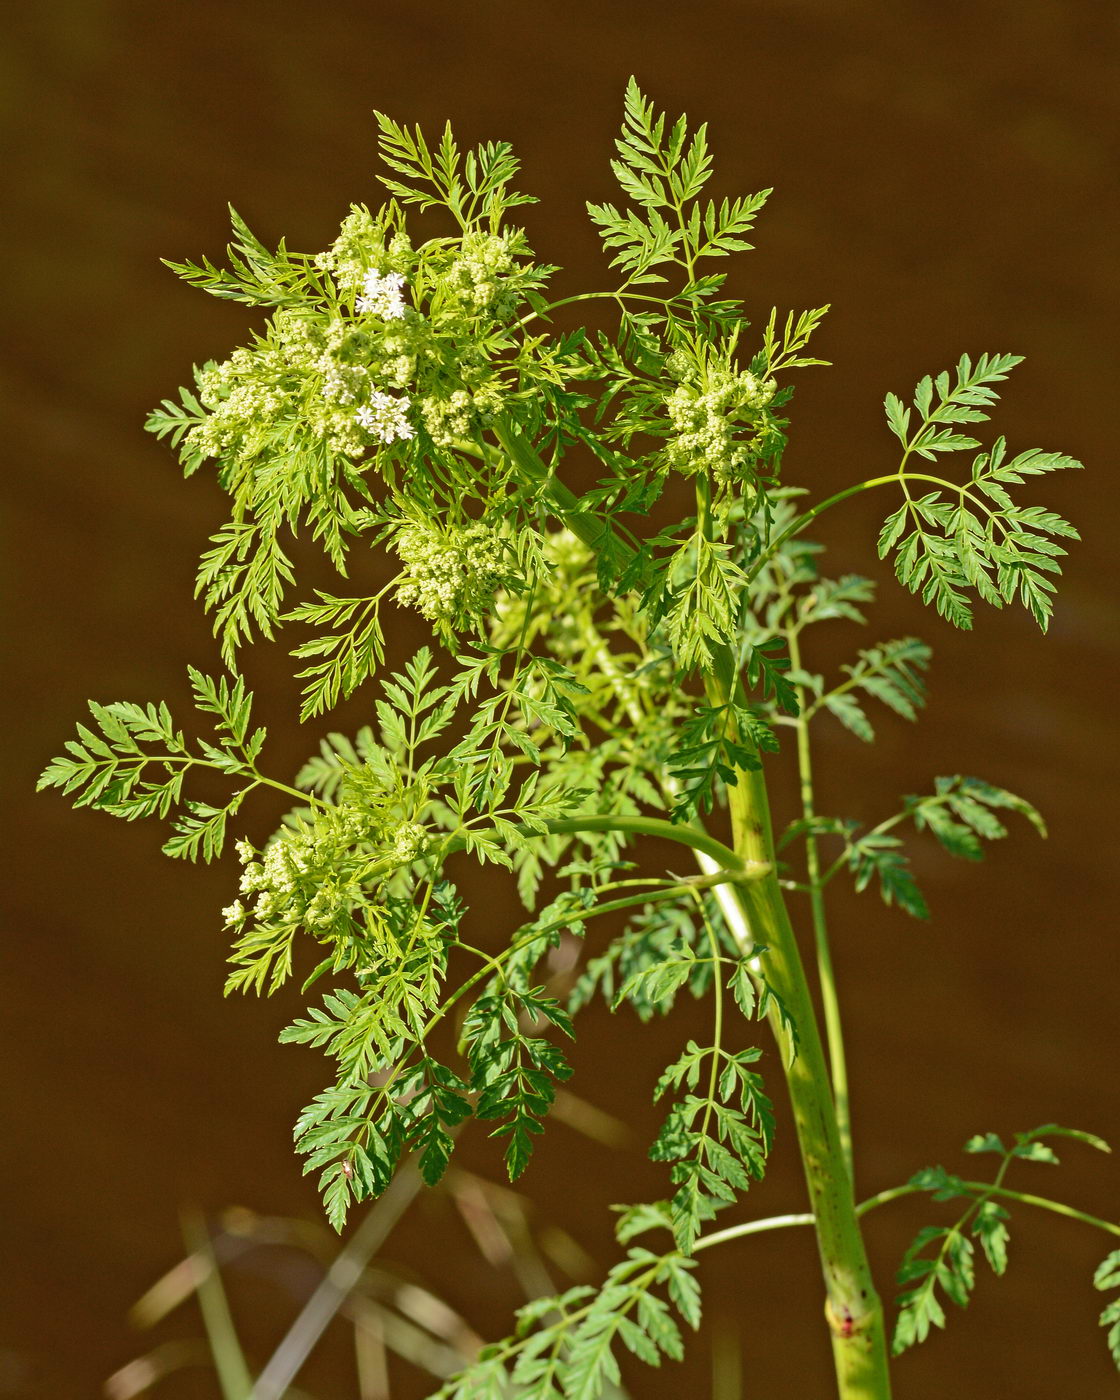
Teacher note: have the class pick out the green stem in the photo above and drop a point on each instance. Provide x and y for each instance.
(619, 296)
(612, 906)
(595, 533)
(661, 892)
(717, 1027)
(727, 865)
(829, 999)
(989, 1189)
(853, 1308)
(753, 1227)
(730, 907)
(732, 864)
(895, 1193)
(305, 797)
(807, 517)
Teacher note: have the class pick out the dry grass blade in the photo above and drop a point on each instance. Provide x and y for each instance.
(138, 1376)
(285, 1363)
(234, 1376)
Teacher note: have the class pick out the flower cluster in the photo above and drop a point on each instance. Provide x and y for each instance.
(244, 395)
(452, 572)
(256, 396)
(705, 416)
(362, 245)
(327, 376)
(383, 295)
(479, 277)
(363, 367)
(384, 417)
(292, 881)
(357, 368)
(315, 875)
(449, 418)
(408, 843)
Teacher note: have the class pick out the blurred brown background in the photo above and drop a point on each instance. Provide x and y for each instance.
(946, 176)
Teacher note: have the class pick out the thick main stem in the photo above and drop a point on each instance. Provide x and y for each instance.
(853, 1308)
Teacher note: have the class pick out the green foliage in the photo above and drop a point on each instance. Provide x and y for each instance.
(710, 750)
(766, 670)
(176, 422)
(615, 670)
(649, 962)
(950, 1268)
(256, 276)
(890, 673)
(960, 813)
(940, 1261)
(717, 1141)
(137, 761)
(349, 656)
(701, 615)
(567, 1346)
(978, 539)
(356, 871)
(1108, 1276)
(474, 190)
(877, 856)
(1031, 1147)
(661, 169)
(514, 1074)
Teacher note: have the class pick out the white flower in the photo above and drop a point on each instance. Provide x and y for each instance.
(382, 295)
(385, 417)
(343, 384)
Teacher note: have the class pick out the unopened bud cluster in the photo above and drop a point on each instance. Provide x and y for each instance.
(479, 276)
(452, 573)
(707, 414)
(314, 875)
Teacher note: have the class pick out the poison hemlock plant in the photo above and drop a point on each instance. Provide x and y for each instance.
(596, 683)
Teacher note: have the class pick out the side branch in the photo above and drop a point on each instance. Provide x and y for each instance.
(737, 868)
(989, 1188)
(807, 517)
